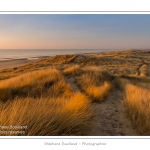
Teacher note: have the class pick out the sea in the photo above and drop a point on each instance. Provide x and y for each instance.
(31, 54)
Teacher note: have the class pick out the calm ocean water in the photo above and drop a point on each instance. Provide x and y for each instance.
(35, 54)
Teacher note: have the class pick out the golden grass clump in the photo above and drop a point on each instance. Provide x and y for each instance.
(95, 85)
(47, 83)
(73, 70)
(97, 93)
(137, 102)
(47, 117)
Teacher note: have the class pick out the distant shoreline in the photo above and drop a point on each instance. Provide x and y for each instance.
(10, 63)
(18, 62)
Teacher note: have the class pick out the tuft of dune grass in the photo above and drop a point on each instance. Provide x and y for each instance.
(43, 83)
(97, 93)
(95, 84)
(137, 103)
(47, 117)
(74, 70)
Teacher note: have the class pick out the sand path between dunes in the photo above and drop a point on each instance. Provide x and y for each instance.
(109, 116)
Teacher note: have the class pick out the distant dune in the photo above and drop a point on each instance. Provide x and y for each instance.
(88, 94)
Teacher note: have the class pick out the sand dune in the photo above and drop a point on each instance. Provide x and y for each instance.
(86, 94)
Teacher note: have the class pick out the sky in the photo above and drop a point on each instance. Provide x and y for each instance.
(74, 31)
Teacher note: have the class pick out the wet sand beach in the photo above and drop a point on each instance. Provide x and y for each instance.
(18, 62)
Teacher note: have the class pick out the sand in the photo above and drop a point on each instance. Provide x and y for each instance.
(110, 118)
(13, 63)
(18, 62)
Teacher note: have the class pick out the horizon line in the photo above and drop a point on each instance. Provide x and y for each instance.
(72, 48)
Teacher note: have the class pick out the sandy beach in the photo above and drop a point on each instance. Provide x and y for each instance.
(13, 63)
(18, 62)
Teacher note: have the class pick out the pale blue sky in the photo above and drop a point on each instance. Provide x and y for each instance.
(68, 31)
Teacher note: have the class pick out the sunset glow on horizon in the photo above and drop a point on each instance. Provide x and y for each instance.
(66, 31)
